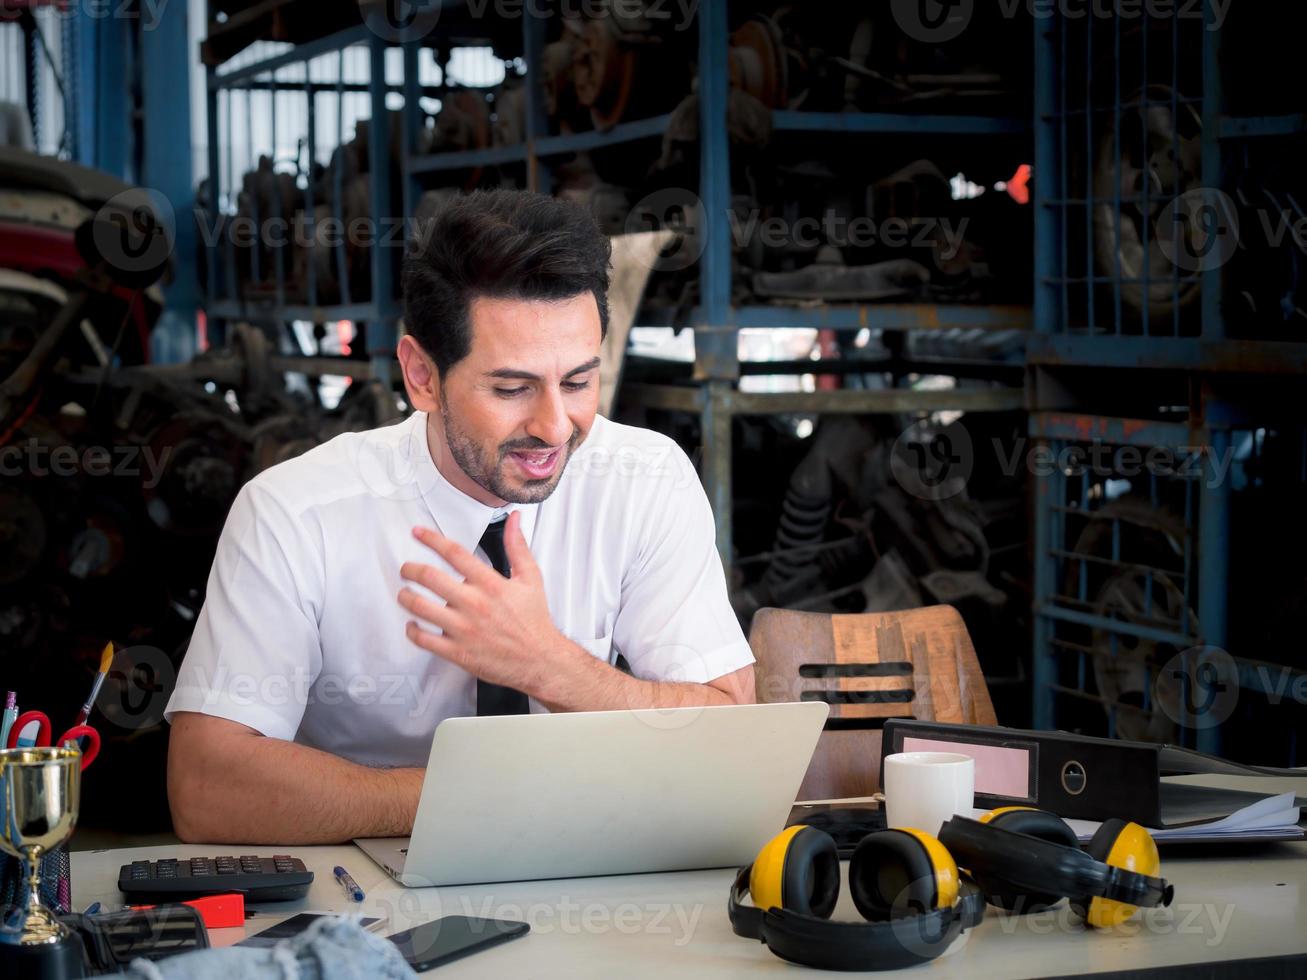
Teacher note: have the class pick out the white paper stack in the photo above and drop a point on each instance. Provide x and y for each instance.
(1272, 817)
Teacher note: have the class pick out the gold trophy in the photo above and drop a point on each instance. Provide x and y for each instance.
(39, 790)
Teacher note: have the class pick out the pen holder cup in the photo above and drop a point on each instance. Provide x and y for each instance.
(56, 885)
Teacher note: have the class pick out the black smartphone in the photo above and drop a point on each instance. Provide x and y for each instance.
(297, 924)
(452, 937)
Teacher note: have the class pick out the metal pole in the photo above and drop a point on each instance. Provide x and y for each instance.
(167, 168)
(214, 329)
(1213, 325)
(1214, 560)
(1047, 190)
(412, 125)
(716, 349)
(1049, 316)
(716, 416)
(381, 331)
(538, 174)
(310, 223)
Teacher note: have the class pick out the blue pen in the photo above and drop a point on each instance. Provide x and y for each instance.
(347, 882)
(10, 716)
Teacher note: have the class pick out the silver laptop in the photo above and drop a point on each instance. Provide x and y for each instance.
(519, 797)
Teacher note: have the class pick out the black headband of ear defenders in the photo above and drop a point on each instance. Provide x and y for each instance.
(901, 941)
(1039, 865)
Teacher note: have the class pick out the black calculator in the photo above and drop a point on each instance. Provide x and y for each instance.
(280, 878)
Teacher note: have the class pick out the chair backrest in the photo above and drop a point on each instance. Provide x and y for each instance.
(917, 663)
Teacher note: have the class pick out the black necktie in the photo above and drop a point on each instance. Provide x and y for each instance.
(493, 699)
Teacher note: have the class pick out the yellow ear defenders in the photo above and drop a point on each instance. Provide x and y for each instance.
(904, 882)
(1120, 844)
(1022, 864)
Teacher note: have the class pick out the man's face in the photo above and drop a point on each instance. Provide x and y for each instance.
(513, 411)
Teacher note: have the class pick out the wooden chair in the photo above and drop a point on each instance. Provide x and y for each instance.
(917, 663)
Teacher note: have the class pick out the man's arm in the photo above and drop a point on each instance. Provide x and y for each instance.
(228, 784)
(589, 684)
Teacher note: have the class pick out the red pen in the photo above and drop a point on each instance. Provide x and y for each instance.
(216, 911)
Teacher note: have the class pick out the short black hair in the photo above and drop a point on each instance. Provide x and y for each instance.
(505, 244)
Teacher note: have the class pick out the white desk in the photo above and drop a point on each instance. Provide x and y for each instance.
(1239, 905)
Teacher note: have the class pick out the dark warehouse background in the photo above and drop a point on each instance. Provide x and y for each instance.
(1005, 311)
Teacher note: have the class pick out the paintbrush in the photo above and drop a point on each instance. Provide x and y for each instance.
(106, 658)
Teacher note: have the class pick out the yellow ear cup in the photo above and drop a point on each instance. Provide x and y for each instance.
(798, 870)
(987, 817)
(1133, 849)
(946, 869)
(768, 868)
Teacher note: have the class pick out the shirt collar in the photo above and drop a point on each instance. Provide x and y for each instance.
(457, 516)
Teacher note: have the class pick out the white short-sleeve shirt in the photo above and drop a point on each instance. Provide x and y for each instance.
(301, 636)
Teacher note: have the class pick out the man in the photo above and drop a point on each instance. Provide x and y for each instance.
(370, 588)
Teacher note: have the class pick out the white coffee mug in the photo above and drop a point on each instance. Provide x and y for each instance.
(924, 789)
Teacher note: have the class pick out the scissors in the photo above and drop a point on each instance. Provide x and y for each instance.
(43, 738)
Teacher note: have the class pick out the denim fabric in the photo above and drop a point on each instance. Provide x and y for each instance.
(330, 949)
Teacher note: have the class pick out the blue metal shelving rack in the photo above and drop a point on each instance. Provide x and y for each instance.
(1082, 332)
(381, 311)
(715, 320)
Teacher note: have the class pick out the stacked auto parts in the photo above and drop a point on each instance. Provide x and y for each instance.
(873, 184)
(1169, 301)
(118, 474)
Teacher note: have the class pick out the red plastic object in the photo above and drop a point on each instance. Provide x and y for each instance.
(216, 911)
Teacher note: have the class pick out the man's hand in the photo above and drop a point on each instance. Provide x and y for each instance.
(499, 629)
(494, 627)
